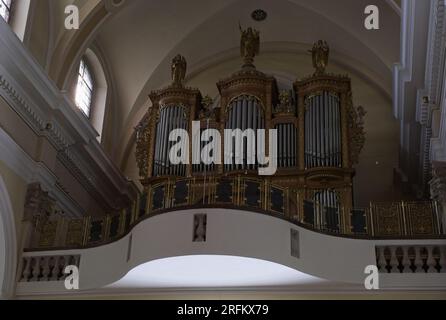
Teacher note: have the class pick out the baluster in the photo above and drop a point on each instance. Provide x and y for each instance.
(77, 261)
(394, 260)
(60, 267)
(72, 261)
(46, 269)
(387, 258)
(67, 262)
(418, 260)
(399, 253)
(436, 256)
(380, 262)
(55, 270)
(424, 256)
(411, 254)
(430, 260)
(406, 260)
(35, 269)
(27, 269)
(442, 259)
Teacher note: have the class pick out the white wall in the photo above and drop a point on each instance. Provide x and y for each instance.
(2, 255)
(230, 233)
(8, 244)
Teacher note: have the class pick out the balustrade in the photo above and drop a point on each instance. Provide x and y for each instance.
(46, 268)
(411, 259)
(380, 220)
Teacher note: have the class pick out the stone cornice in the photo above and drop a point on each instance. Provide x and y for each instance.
(435, 74)
(30, 171)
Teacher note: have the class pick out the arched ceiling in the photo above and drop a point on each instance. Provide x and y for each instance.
(140, 40)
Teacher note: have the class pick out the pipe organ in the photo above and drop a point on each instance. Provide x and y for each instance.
(323, 146)
(287, 150)
(170, 118)
(320, 135)
(244, 112)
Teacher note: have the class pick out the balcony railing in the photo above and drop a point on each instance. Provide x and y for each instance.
(397, 220)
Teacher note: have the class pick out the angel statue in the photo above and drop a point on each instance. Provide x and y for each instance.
(320, 54)
(179, 66)
(249, 45)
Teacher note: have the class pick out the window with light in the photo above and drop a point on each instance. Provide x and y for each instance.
(84, 88)
(5, 9)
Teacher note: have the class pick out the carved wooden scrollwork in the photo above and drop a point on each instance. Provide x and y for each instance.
(356, 129)
(142, 145)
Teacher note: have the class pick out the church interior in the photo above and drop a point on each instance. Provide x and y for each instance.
(310, 139)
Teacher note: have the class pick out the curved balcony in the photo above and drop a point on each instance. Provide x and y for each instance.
(397, 220)
(164, 241)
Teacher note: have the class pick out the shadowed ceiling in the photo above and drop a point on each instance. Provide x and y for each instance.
(139, 40)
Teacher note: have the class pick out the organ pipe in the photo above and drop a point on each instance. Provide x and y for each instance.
(323, 145)
(244, 113)
(171, 117)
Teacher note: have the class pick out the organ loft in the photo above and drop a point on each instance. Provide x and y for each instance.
(320, 135)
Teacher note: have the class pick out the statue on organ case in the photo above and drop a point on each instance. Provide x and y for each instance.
(179, 66)
(250, 45)
(320, 54)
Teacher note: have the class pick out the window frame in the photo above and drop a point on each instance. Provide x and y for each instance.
(81, 77)
(9, 10)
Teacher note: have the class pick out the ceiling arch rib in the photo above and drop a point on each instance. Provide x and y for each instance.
(71, 44)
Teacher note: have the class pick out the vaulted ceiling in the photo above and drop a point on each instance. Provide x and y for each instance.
(138, 38)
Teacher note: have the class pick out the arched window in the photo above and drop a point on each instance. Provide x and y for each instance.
(84, 88)
(5, 9)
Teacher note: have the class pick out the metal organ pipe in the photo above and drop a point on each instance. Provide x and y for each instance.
(161, 140)
(288, 144)
(244, 152)
(314, 135)
(326, 201)
(157, 148)
(164, 140)
(326, 129)
(243, 114)
(323, 131)
(172, 169)
(184, 126)
(330, 132)
(338, 133)
(250, 107)
(171, 117)
(287, 137)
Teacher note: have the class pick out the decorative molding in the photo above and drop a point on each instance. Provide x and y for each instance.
(24, 110)
(438, 182)
(402, 71)
(51, 114)
(435, 54)
(435, 71)
(30, 171)
(422, 77)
